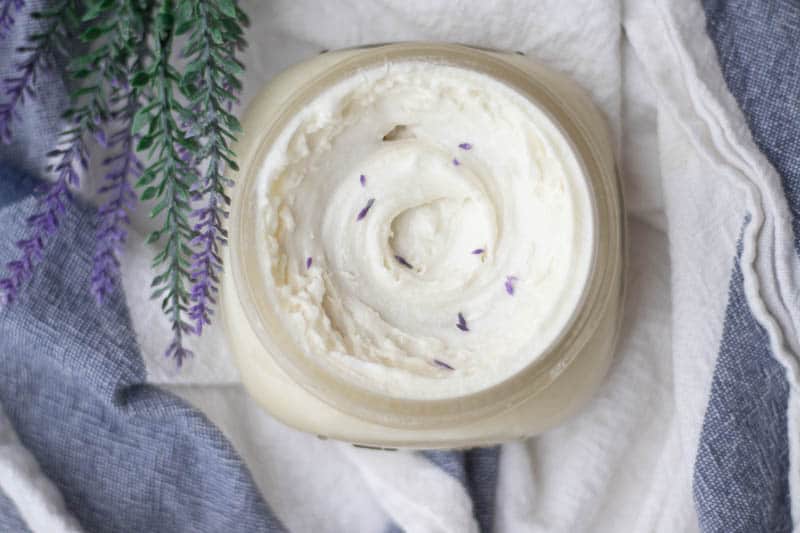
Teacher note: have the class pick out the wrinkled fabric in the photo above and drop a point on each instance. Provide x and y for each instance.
(693, 428)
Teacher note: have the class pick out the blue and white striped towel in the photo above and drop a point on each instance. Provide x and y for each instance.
(696, 427)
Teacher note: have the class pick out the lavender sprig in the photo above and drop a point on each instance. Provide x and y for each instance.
(123, 165)
(113, 217)
(210, 83)
(41, 52)
(169, 179)
(7, 7)
(45, 221)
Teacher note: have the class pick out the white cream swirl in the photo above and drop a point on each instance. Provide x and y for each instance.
(457, 258)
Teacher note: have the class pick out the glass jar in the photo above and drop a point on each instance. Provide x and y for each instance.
(307, 396)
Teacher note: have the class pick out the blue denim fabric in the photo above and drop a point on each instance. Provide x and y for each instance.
(125, 455)
(9, 516)
(740, 477)
(741, 470)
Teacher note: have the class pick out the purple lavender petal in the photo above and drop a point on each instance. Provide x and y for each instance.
(402, 261)
(363, 180)
(456, 162)
(509, 284)
(309, 260)
(465, 146)
(363, 212)
(6, 17)
(176, 349)
(442, 364)
(477, 251)
(100, 137)
(462, 323)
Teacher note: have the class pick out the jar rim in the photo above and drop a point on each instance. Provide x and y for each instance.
(533, 377)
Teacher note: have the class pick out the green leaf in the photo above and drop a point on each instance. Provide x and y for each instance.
(244, 20)
(160, 206)
(81, 74)
(91, 33)
(140, 79)
(140, 118)
(183, 27)
(145, 142)
(153, 237)
(216, 35)
(233, 67)
(146, 178)
(96, 9)
(158, 292)
(185, 17)
(227, 7)
(149, 193)
(165, 20)
(84, 91)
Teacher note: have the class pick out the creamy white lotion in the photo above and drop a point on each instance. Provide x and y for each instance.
(425, 230)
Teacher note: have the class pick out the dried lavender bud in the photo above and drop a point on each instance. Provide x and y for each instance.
(442, 364)
(456, 162)
(363, 212)
(363, 180)
(309, 260)
(402, 261)
(477, 251)
(509, 284)
(465, 146)
(462, 323)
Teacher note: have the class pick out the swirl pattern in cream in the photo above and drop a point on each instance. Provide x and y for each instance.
(427, 230)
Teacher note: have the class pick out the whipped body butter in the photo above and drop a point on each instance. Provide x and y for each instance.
(426, 247)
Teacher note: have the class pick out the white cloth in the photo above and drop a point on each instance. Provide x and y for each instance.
(625, 463)
(38, 501)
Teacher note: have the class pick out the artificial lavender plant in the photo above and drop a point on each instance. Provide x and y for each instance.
(131, 99)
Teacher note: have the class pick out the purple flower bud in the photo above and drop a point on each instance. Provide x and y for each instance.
(100, 136)
(363, 180)
(402, 261)
(442, 364)
(477, 251)
(309, 261)
(462, 323)
(509, 284)
(456, 162)
(465, 146)
(363, 212)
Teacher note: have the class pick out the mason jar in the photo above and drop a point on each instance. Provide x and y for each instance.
(299, 384)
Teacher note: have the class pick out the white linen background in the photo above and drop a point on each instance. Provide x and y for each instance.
(690, 173)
